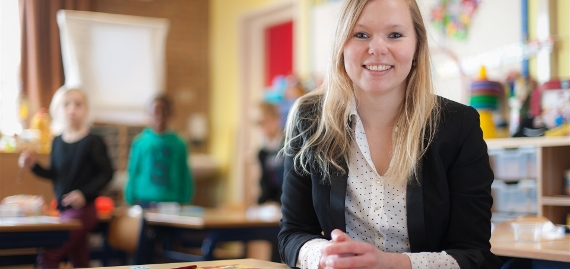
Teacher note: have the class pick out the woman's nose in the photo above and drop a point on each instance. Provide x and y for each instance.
(377, 46)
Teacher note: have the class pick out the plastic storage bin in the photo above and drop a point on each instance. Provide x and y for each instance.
(519, 197)
(513, 164)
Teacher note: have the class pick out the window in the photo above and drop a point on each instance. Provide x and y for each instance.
(9, 67)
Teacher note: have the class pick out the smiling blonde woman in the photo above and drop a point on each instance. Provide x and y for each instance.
(379, 171)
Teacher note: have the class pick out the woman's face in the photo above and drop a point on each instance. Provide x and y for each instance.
(379, 51)
(74, 109)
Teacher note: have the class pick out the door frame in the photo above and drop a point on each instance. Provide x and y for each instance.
(251, 30)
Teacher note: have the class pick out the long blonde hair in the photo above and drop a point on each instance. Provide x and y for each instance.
(318, 133)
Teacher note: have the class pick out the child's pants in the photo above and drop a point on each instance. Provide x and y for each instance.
(77, 248)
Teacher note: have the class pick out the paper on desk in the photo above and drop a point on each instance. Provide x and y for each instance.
(29, 220)
(229, 266)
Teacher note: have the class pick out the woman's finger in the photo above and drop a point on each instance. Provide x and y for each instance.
(347, 247)
(337, 248)
(339, 236)
(347, 262)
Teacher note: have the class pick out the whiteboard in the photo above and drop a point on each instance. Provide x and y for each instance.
(118, 60)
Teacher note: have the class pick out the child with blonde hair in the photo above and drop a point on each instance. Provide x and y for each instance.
(79, 169)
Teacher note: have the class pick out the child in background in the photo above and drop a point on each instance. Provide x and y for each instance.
(271, 162)
(158, 168)
(269, 158)
(79, 168)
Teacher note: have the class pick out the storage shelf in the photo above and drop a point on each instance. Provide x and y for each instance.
(528, 141)
(560, 200)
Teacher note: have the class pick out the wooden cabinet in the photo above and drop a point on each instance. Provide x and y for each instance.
(552, 159)
(30, 184)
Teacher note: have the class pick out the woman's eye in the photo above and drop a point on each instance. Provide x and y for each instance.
(361, 35)
(395, 35)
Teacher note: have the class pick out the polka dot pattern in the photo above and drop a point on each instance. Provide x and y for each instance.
(375, 208)
(310, 254)
(430, 260)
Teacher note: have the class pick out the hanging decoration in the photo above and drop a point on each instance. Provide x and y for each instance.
(453, 17)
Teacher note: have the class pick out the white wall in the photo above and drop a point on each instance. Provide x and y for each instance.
(496, 23)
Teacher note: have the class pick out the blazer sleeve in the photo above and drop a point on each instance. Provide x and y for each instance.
(301, 194)
(469, 179)
(299, 223)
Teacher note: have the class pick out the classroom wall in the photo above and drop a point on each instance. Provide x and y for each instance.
(560, 29)
(563, 32)
(224, 80)
(225, 17)
(187, 52)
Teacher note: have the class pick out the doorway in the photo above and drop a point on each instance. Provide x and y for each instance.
(254, 62)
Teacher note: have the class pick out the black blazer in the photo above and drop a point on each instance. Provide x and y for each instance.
(449, 210)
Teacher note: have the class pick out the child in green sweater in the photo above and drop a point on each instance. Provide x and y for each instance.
(158, 168)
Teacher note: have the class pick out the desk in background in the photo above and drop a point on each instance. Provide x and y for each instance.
(213, 227)
(554, 252)
(33, 232)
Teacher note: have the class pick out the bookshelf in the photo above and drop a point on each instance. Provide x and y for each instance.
(552, 159)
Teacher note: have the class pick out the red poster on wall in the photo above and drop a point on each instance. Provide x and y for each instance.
(278, 51)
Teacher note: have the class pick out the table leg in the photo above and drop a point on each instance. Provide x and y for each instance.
(144, 253)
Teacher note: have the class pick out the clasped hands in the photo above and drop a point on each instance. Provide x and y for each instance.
(344, 252)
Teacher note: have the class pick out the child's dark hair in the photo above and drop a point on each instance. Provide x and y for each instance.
(269, 109)
(165, 99)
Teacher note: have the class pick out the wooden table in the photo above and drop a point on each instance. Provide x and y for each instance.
(32, 232)
(247, 262)
(206, 231)
(503, 244)
(40, 231)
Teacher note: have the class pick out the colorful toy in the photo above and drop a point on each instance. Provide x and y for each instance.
(485, 97)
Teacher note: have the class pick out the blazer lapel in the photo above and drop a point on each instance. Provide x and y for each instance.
(416, 226)
(337, 196)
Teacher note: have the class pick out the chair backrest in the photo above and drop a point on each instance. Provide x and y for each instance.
(124, 229)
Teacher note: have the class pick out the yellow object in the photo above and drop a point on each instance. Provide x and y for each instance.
(41, 122)
(559, 131)
(483, 73)
(24, 110)
(487, 124)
